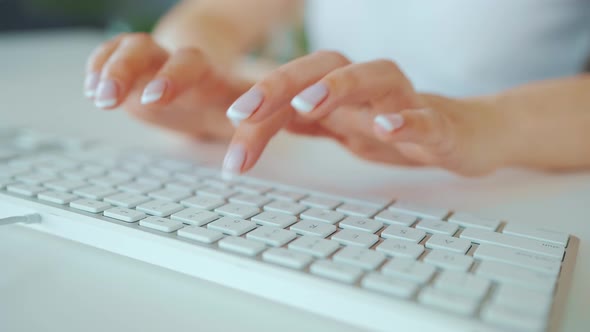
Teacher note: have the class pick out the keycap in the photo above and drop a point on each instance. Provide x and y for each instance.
(126, 200)
(288, 258)
(95, 192)
(335, 271)
(241, 246)
(327, 216)
(150, 179)
(249, 199)
(355, 238)
(364, 258)
(172, 195)
(314, 246)
(192, 216)
(320, 202)
(65, 185)
(139, 187)
(410, 270)
(232, 226)
(160, 208)
(5, 182)
(161, 224)
(465, 284)
(57, 197)
(238, 210)
(445, 242)
(448, 301)
(389, 285)
(272, 236)
(285, 207)
(274, 219)
(400, 248)
(285, 195)
(419, 211)
(449, 260)
(467, 220)
(90, 205)
(216, 192)
(396, 218)
(203, 202)
(437, 227)
(537, 233)
(361, 224)
(515, 321)
(523, 300)
(200, 234)
(84, 173)
(251, 188)
(515, 275)
(174, 165)
(109, 181)
(358, 210)
(183, 185)
(403, 233)
(526, 259)
(25, 189)
(515, 242)
(35, 178)
(188, 177)
(313, 228)
(124, 214)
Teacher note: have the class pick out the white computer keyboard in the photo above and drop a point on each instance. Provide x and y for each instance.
(379, 266)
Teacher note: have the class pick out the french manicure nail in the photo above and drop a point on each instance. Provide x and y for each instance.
(153, 91)
(106, 94)
(309, 98)
(233, 161)
(389, 123)
(90, 84)
(244, 106)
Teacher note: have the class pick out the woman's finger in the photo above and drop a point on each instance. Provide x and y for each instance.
(95, 62)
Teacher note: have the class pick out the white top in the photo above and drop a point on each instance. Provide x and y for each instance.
(458, 47)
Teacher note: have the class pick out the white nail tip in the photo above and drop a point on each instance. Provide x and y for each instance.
(235, 115)
(104, 103)
(301, 105)
(383, 122)
(148, 98)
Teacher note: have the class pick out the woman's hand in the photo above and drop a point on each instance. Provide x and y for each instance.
(182, 90)
(373, 110)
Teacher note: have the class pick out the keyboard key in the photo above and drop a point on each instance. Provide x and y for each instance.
(126, 200)
(526, 259)
(314, 246)
(361, 224)
(513, 320)
(410, 270)
(211, 191)
(396, 218)
(400, 248)
(90, 205)
(160, 208)
(124, 214)
(514, 242)
(35, 178)
(200, 234)
(390, 285)
(249, 199)
(320, 202)
(65, 185)
(274, 219)
(108, 181)
(5, 182)
(241, 246)
(183, 186)
(288, 258)
(285, 195)
(285, 207)
(232, 226)
(448, 301)
(327, 216)
(403, 233)
(238, 210)
(171, 195)
(469, 221)
(95, 192)
(139, 187)
(57, 197)
(514, 275)
(464, 284)
(251, 188)
(194, 216)
(335, 271)
(437, 227)
(364, 258)
(203, 202)
(523, 300)
(313, 228)
(358, 210)
(272, 236)
(161, 224)
(445, 242)
(355, 238)
(419, 211)
(536, 233)
(449, 260)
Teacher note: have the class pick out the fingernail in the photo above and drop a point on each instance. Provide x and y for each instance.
(389, 123)
(153, 91)
(90, 83)
(233, 161)
(244, 106)
(309, 98)
(106, 94)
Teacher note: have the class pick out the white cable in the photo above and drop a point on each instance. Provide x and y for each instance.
(27, 219)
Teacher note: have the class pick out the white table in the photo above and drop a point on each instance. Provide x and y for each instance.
(50, 284)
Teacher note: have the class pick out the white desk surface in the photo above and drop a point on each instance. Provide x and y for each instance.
(51, 284)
